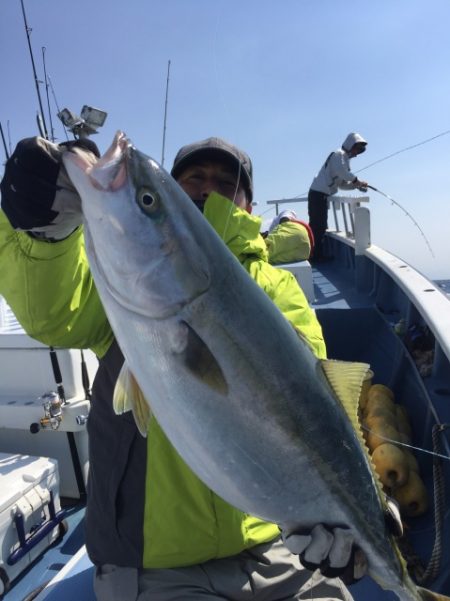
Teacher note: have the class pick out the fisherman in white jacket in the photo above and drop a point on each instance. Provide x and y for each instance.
(334, 174)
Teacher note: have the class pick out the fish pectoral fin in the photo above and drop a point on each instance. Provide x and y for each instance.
(346, 380)
(200, 361)
(128, 396)
(122, 397)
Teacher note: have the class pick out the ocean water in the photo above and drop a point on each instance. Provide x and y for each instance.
(445, 286)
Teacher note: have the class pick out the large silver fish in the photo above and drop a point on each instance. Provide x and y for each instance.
(238, 392)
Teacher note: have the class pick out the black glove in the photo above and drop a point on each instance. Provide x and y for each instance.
(36, 193)
(330, 550)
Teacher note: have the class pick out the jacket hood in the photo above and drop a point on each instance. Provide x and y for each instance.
(351, 140)
(238, 229)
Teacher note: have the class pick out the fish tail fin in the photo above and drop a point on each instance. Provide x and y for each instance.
(128, 396)
(427, 595)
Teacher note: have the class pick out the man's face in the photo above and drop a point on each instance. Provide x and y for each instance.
(357, 148)
(200, 179)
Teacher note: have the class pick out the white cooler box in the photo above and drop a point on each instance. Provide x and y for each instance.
(25, 375)
(30, 511)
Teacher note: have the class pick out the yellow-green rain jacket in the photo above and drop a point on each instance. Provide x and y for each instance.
(288, 242)
(145, 507)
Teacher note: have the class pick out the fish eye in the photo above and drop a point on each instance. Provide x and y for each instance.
(148, 200)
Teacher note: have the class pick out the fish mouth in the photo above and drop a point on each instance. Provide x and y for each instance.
(146, 289)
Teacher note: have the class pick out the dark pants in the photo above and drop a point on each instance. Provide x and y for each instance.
(318, 219)
(267, 571)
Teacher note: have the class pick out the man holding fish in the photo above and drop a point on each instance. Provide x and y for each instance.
(154, 530)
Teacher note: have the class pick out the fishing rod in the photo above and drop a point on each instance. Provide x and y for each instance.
(165, 114)
(407, 214)
(41, 125)
(36, 80)
(4, 142)
(46, 92)
(57, 106)
(393, 154)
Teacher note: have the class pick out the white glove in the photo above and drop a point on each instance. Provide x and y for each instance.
(332, 551)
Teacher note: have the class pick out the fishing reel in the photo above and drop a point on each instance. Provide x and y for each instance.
(52, 404)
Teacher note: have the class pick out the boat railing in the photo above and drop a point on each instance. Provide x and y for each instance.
(346, 205)
(385, 271)
(8, 321)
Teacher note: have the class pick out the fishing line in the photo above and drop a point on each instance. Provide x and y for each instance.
(56, 104)
(404, 444)
(219, 89)
(444, 133)
(231, 208)
(222, 101)
(9, 136)
(269, 209)
(393, 154)
(52, 131)
(407, 214)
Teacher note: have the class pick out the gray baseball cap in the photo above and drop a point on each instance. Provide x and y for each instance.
(215, 148)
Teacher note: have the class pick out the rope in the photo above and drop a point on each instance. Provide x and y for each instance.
(434, 565)
(415, 565)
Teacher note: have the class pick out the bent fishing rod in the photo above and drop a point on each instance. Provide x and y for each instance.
(407, 214)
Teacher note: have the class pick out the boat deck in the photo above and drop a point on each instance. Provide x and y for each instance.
(334, 289)
(359, 324)
(48, 565)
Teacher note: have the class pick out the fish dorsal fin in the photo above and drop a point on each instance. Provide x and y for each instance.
(346, 379)
(128, 396)
(200, 361)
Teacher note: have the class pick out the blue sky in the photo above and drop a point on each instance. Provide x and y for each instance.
(286, 80)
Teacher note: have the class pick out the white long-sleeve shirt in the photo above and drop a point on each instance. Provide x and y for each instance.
(335, 172)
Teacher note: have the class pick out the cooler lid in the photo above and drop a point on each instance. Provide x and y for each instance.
(20, 473)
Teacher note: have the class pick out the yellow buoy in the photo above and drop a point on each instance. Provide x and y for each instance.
(412, 461)
(377, 401)
(381, 388)
(367, 383)
(391, 465)
(403, 423)
(412, 496)
(379, 434)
